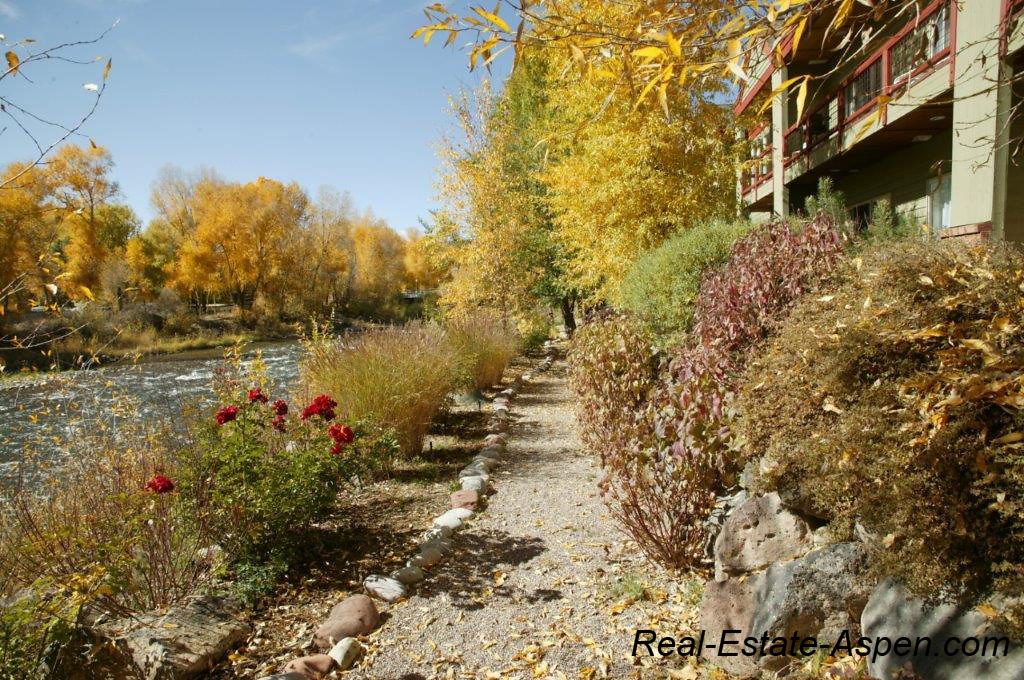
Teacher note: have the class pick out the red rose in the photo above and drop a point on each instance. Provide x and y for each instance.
(160, 484)
(227, 414)
(256, 394)
(322, 406)
(280, 407)
(278, 423)
(341, 434)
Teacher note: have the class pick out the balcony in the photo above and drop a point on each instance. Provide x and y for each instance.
(838, 119)
(911, 54)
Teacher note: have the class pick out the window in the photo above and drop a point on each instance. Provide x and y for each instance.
(864, 88)
(939, 193)
(921, 44)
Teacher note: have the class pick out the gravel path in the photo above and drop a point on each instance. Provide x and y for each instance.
(542, 584)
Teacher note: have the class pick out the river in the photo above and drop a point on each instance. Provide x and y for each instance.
(34, 408)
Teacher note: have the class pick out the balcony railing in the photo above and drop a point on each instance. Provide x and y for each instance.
(758, 168)
(914, 51)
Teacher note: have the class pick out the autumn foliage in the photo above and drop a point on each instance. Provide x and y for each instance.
(894, 401)
(663, 424)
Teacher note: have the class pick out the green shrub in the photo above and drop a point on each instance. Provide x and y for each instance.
(895, 402)
(661, 286)
(397, 378)
(484, 344)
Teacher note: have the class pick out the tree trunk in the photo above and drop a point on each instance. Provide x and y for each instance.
(568, 314)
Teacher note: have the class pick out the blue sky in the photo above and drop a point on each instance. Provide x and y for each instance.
(320, 92)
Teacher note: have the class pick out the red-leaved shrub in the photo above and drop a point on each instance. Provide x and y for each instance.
(662, 427)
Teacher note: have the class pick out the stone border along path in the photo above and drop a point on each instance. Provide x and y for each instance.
(358, 615)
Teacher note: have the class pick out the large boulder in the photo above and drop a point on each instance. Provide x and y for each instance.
(892, 612)
(820, 594)
(758, 533)
(185, 642)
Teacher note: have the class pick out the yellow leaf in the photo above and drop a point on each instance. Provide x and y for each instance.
(673, 45)
(798, 33)
(663, 99)
(987, 610)
(777, 91)
(650, 52)
(12, 61)
(106, 69)
(1011, 438)
(88, 293)
(801, 99)
(494, 19)
(577, 53)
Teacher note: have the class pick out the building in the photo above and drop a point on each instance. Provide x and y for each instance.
(940, 147)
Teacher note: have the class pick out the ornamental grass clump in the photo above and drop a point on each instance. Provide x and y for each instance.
(894, 403)
(484, 344)
(396, 377)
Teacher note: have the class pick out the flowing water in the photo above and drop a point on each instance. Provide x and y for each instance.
(51, 406)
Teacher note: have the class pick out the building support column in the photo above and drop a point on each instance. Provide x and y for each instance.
(780, 123)
(981, 124)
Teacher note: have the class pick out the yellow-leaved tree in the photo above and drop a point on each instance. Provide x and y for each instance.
(80, 187)
(243, 243)
(621, 179)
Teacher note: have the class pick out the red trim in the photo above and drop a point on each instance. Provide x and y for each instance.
(745, 99)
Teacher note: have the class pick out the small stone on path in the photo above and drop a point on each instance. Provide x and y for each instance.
(384, 587)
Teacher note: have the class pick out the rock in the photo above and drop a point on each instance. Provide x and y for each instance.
(314, 667)
(476, 483)
(445, 545)
(758, 533)
(729, 605)
(494, 451)
(526, 377)
(436, 533)
(495, 440)
(500, 407)
(503, 401)
(488, 464)
(465, 499)
(185, 642)
(409, 575)
(346, 653)
(453, 518)
(428, 556)
(821, 594)
(892, 611)
(384, 587)
(508, 392)
(473, 470)
(353, 616)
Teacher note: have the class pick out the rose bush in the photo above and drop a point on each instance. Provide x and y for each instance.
(263, 476)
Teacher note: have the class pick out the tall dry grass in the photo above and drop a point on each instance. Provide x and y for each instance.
(395, 377)
(485, 343)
